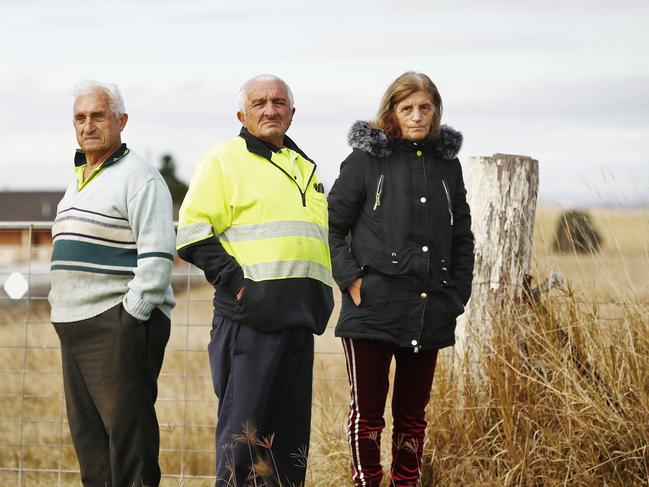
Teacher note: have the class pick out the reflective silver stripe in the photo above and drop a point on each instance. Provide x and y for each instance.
(283, 269)
(193, 233)
(276, 229)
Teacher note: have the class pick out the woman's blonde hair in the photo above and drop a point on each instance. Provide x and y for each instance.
(401, 88)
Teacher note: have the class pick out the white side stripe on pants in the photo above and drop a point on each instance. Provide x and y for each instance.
(354, 411)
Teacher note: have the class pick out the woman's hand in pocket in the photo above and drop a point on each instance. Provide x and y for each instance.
(354, 290)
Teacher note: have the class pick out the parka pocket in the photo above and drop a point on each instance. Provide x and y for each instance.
(375, 289)
(455, 305)
(379, 192)
(440, 320)
(449, 202)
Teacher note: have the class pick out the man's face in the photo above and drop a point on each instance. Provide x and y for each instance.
(98, 129)
(268, 113)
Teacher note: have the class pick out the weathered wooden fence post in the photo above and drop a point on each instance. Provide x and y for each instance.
(502, 195)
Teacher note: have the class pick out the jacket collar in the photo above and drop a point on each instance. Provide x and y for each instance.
(119, 153)
(377, 143)
(264, 149)
(411, 146)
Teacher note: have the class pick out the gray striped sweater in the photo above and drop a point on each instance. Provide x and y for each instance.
(114, 242)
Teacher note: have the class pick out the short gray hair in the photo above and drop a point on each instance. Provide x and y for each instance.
(116, 102)
(243, 91)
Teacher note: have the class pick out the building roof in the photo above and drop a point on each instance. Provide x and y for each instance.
(37, 206)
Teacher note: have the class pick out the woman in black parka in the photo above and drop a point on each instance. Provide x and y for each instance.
(406, 274)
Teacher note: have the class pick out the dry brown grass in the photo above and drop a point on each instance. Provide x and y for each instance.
(618, 273)
(565, 401)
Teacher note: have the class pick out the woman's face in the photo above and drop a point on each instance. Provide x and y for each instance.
(415, 115)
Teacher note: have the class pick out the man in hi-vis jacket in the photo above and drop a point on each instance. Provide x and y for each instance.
(255, 221)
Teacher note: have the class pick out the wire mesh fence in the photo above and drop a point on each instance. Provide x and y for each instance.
(35, 444)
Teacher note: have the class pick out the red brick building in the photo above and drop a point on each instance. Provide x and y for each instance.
(25, 207)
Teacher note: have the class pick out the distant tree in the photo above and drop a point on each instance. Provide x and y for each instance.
(177, 188)
(576, 232)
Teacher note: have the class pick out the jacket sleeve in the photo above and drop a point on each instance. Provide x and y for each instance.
(345, 201)
(150, 215)
(204, 214)
(462, 257)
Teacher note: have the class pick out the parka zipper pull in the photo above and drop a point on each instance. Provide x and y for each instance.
(379, 191)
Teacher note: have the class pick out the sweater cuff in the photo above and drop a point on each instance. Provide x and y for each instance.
(136, 307)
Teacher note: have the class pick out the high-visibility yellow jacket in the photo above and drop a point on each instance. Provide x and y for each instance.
(256, 217)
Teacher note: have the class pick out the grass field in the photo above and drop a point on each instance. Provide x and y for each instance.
(618, 272)
(542, 421)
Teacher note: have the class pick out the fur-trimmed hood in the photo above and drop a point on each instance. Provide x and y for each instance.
(378, 144)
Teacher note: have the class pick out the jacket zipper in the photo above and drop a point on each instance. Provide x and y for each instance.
(379, 192)
(421, 328)
(302, 193)
(416, 348)
(448, 200)
(423, 166)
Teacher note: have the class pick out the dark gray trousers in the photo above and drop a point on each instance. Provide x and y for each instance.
(111, 364)
(263, 382)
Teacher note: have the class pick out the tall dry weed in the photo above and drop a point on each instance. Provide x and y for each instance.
(329, 460)
(565, 401)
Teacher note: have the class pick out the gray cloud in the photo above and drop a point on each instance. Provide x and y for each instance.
(563, 81)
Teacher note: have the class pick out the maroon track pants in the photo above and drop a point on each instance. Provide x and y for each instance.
(368, 366)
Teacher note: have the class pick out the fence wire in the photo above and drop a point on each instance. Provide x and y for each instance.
(35, 444)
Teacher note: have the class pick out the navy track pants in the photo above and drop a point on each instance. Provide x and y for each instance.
(263, 381)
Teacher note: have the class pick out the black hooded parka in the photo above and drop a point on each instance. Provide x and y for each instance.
(404, 204)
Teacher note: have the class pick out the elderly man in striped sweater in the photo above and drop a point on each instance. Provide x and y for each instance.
(111, 296)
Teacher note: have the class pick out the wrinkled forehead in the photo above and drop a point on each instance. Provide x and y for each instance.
(266, 90)
(418, 97)
(95, 101)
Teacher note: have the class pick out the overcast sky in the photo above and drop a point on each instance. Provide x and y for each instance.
(566, 82)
